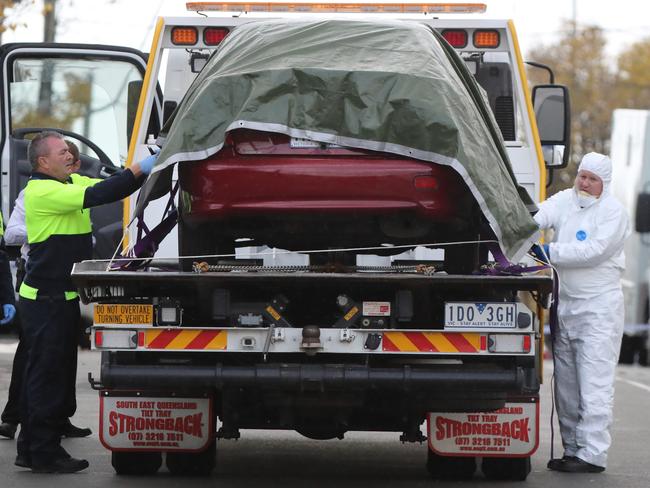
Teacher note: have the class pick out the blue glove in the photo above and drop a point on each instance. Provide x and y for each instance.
(539, 250)
(146, 165)
(9, 311)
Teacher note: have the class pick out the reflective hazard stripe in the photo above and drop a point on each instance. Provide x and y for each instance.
(431, 342)
(186, 340)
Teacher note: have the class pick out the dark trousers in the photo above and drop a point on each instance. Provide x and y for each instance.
(49, 329)
(12, 412)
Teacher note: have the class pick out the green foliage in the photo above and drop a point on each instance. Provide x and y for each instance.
(59, 110)
(633, 80)
(579, 61)
(598, 85)
(10, 11)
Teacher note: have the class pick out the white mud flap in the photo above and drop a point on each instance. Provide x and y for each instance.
(137, 423)
(512, 431)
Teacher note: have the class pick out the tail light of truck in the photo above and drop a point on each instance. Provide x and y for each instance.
(214, 35)
(426, 183)
(184, 36)
(115, 339)
(455, 37)
(509, 343)
(486, 38)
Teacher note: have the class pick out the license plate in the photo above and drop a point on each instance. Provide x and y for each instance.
(299, 143)
(123, 314)
(472, 314)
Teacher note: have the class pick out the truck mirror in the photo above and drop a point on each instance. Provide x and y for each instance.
(553, 155)
(133, 96)
(133, 99)
(642, 220)
(552, 111)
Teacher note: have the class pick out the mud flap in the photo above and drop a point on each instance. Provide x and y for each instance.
(511, 431)
(155, 423)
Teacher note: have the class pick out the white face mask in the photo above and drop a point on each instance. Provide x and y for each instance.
(585, 199)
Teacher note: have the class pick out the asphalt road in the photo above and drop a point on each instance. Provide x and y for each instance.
(287, 459)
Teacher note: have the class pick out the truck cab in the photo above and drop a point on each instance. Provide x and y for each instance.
(82, 91)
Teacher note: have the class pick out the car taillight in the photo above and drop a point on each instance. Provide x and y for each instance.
(184, 36)
(425, 183)
(455, 37)
(486, 38)
(214, 35)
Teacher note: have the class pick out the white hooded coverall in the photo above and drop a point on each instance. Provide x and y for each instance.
(588, 254)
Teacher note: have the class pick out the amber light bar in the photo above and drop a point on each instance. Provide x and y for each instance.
(391, 8)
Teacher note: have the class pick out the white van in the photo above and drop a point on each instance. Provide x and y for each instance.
(630, 155)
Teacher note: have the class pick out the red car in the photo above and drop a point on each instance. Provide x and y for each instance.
(297, 194)
(412, 133)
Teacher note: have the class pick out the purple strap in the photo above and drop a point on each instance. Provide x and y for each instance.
(505, 267)
(148, 241)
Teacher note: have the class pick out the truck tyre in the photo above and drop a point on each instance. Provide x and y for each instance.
(450, 467)
(512, 469)
(136, 463)
(193, 464)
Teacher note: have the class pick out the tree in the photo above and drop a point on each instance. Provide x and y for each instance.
(63, 108)
(10, 12)
(49, 20)
(579, 61)
(633, 80)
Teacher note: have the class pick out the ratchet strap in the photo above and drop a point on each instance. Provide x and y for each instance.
(148, 240)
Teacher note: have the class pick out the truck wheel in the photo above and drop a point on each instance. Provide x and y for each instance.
(450, 467)
(136, 463)
(193, 464)
(512, 469)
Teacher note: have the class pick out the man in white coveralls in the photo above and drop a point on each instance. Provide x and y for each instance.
(590, 229)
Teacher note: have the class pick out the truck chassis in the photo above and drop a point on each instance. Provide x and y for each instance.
(320, 352)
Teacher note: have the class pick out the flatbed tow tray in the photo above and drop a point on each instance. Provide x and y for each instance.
(94, 273)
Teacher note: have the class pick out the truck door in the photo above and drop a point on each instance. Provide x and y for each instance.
(85, 92)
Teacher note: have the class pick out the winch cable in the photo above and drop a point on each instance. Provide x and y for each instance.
(553, 325)
(118, 261)
(504, 265)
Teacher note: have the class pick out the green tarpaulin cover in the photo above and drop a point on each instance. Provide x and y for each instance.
(390, 86)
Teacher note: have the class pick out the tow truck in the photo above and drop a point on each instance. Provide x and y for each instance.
(192, 357)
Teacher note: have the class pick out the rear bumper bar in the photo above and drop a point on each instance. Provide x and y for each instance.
(310, 377)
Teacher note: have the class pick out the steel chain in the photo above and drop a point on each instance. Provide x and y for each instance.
(203, 267)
